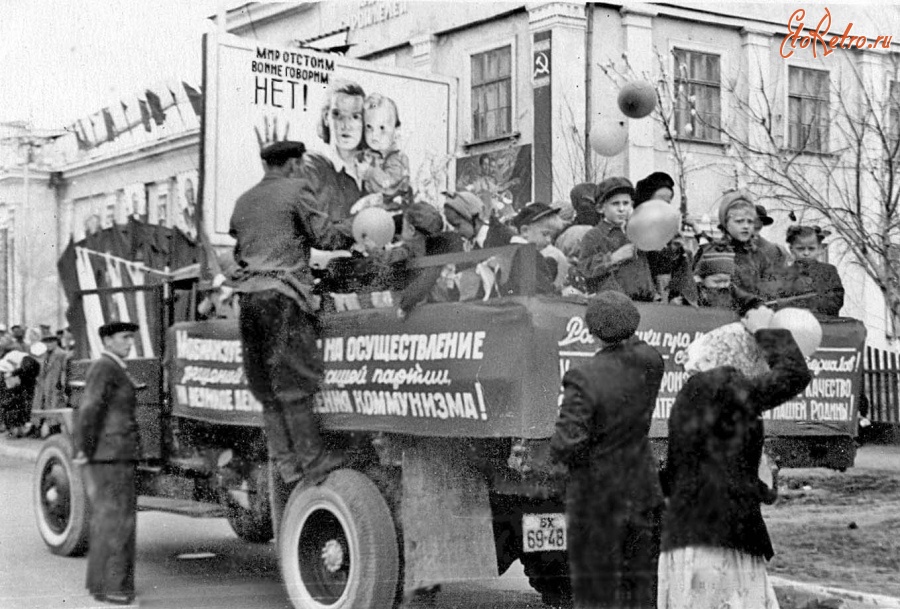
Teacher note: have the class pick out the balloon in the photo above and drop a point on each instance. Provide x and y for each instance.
(804, 326)
(637, 99)
(653, 225)
(608, 136)
(374, 223)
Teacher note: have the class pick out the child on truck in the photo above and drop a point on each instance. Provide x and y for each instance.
(538, 223)
(608, 260)
(808, 282)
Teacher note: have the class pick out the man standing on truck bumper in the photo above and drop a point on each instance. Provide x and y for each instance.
(106, 438)
(613, 495)
(274, 224)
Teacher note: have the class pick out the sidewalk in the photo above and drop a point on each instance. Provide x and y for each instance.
(872, 456)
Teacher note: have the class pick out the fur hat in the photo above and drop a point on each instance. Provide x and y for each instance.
(645, 188)
(728, 345)
(611, 316)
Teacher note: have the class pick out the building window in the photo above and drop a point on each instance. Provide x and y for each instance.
(492, 93)
(808, 104)
(698, 107)
(162, 208)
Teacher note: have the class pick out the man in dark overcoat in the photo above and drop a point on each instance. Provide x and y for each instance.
(106, 438)
(614, 499)
(275, 224)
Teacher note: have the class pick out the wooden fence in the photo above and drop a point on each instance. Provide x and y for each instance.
(881, 384)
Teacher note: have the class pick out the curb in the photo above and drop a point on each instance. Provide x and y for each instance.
(24, 449)
(877, 600)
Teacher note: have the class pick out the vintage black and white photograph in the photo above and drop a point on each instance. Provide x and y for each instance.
(371, 304)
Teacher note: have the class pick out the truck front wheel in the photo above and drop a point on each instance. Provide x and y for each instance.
(60, 499)
(548, 574)
(338, 545)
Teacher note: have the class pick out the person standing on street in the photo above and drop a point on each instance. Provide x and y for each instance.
(614, 500)
(275, 224)
(106, 438)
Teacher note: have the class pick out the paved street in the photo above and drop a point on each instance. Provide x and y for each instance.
(216, 570)
(237, 575)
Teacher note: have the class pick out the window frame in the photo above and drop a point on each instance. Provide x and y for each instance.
(471, 52)
(825, 146)
(690, 47)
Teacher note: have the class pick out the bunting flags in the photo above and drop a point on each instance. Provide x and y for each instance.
(110, 124)
(145, 115)
(195, 97)
(156, 109)
(80, 139)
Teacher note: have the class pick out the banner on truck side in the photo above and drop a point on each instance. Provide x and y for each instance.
(255, 90)
(488, 370)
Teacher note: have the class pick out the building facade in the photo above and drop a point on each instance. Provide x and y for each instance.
(536, 82)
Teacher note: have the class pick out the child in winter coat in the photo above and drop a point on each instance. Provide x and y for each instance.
(816, 283)
(608, 260)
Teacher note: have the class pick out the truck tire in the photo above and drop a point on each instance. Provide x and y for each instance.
(338, 545)
(60, 500)
(548, 574)
(254, 525)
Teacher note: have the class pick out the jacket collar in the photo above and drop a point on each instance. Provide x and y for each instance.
(115, 358)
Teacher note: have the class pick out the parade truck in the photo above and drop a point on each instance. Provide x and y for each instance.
(435, 412)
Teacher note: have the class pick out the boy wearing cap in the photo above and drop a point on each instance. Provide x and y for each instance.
(608, 261)
(538, 223)
(106, 438)
(613, 496)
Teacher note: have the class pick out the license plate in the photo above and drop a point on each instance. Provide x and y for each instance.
(543, 532)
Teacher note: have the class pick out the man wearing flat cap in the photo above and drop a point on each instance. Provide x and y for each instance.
(49, 390)
(614, 499)
(771, 250)
(275, 224)
(106, 438)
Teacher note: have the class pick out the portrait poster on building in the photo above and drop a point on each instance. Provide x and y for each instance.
(186, 203)
(256, 94)
(501, 178)
(136, 201)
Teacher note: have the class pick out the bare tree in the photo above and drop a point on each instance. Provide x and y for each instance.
(837, 162)
(664, 115)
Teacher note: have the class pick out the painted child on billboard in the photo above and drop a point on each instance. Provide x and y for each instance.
(383, 167)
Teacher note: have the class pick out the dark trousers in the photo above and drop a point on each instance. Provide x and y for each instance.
(111, 492)
(284, 369)
(613, 558)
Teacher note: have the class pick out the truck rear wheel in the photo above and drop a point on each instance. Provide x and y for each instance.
(60, 501)
(253, 524)
(338, 545)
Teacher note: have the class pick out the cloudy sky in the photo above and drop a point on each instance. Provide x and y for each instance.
(64, 59)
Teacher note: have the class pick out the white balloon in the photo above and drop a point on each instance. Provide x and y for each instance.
(609, 136)
(805, 328)
(374, 223)
(652, 225)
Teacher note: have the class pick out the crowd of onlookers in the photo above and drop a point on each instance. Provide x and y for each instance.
(33, 363)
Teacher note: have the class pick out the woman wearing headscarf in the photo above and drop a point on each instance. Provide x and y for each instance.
(714, 542)
(613, 495)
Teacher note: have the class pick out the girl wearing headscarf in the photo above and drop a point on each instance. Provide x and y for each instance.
(714, 542)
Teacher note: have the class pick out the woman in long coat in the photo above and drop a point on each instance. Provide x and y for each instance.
(714, 542)
(614, 499)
